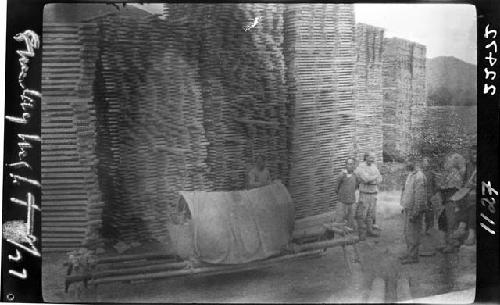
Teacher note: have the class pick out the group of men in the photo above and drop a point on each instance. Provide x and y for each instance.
(450, 195)
(359, 214)
(426, 195)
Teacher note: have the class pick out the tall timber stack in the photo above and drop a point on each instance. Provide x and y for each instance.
(152, 106)
(149, 109)
(188, 112)
(368, 94)
(404, 66)
(244, 93)
(71, 199)
(319, 55)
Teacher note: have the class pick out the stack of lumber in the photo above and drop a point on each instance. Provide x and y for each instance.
(244, 96)
(61, 58)
(188, 102)
(150, 124)
(368, 93)
(71, 199)
(319, 55)
(404, 89)
(188, 112)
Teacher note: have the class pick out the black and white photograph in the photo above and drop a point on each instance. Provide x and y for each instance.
(259, 152)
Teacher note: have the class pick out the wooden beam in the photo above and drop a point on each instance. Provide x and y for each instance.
(206, 270)
(129, 257)
(257, 122)
(326, 244)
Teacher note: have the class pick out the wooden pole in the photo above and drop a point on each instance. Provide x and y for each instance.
(326, 244)
(130, 257)
(158, 271)
(205, 270)
(127, 271)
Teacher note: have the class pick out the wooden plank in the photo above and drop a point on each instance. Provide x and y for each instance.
(52, 249)
(46, 228)
(131, 257)
(47, 203)
(63, 209)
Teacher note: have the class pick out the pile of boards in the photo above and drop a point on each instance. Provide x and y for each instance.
(319, 55)
(186, 104)
(149, 114)
(404, 90)
(368, 93)
(71, 200)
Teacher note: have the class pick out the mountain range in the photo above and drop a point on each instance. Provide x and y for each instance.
(451, 81)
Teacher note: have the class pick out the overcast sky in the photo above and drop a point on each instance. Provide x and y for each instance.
(446, 29)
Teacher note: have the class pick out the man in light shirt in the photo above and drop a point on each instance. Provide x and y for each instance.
(369, 177)
(414, 204)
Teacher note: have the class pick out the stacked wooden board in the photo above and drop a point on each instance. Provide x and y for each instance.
(404, 66)
(319, 56)
(61, 59)
(368, 95)
(185, 104)
(149, 112)
(71, 201)
(242, 73)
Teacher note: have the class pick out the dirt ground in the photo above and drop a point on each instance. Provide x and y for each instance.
(324, 279)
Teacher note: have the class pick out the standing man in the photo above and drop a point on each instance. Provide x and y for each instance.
(259, 174)
(414, 204)
(465, 208)
(369, 177)
(471, 175)
(431, 190)
(451, 182)
(346, 192)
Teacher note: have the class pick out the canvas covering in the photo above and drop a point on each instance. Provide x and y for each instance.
(240, 226)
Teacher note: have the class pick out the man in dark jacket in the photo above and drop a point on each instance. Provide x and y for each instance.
(431, 190)
(451, 181)
(345, 189)
(465, 209)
